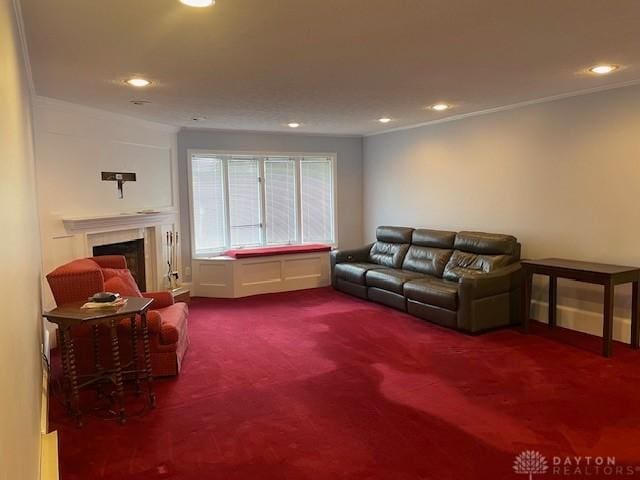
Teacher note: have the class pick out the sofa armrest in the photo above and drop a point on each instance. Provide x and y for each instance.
(353, 255)
(160, 299)
(482, 285)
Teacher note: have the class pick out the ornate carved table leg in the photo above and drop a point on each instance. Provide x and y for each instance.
(134, 354)
(97, 360)
(73, 374)
(115, 352)
(147, 359)
(66, 382)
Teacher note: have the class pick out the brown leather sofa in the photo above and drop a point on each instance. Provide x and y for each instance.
(469, 281)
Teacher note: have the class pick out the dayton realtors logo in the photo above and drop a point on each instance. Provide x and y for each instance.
(531, 462)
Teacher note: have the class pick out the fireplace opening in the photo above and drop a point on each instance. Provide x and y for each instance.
(133, 251)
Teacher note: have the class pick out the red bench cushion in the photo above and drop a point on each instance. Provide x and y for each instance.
(282, 250)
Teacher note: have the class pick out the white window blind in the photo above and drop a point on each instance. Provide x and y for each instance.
(208, 204)
(250, 200)
(244, 202)
(280, 200)
(316, 176)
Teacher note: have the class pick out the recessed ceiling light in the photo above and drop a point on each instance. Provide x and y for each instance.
(603, 69)
(293, 125)
(439, 107)
(198, 3)
(138, 82)
(384, 120)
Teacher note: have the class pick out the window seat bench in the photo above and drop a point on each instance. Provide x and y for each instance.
(280, 250)
(253, 271)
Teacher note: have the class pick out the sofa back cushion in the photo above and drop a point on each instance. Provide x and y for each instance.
(462, 263)
(429, 251)
(394, 234)
(486, 243)
(391, 246)
(479, 252)
(120, 280)
(433, 238)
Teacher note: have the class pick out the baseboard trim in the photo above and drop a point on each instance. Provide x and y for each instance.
(49, 457)
(582, 320)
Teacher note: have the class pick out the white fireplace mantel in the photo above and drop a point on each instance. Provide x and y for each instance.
(117, 221)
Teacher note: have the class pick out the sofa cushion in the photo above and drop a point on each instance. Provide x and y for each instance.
(388, 254)
(127, 282)
(462, 263)
(433, 238)
(120, 280)
(394, 234)
(486, 243)
(390, 279)
(428, 260)
(433, 291)
(354, 272)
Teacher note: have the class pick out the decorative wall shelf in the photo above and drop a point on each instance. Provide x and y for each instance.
(119, 221)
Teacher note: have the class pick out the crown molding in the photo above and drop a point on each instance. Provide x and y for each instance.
(512, 106)
(271, 132)
(48, 102)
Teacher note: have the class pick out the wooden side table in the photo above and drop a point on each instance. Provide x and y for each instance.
(71, 315)
(597, 273)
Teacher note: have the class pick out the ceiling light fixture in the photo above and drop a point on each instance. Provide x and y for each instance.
(440, 107)
(138, 82)
(198, 3)
(603, 69)
(293, 125)
(384, 120)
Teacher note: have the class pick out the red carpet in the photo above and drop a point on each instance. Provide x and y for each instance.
(319, 385)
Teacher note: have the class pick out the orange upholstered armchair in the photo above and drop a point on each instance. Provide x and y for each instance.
(79, 279)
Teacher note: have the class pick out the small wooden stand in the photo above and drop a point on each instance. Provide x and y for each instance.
(181, 294)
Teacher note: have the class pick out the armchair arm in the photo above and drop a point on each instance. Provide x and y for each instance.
(482, 285)
(160, 299)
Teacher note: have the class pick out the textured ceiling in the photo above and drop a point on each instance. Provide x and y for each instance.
(333, 65)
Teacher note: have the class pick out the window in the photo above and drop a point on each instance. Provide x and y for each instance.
(256, 200)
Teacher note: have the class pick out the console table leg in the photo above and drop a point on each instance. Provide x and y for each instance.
(553, 300)
(73, 374)
(607, 332)
(115, 352)
(635, 321)
(526, 300)
(134, 354)
(66, 376)
(147, 359)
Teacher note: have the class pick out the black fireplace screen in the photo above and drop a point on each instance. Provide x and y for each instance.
(133, 251)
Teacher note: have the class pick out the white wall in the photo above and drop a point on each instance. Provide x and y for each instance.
(349, 171)
(20, 375)
(564, 177)
(74, 144)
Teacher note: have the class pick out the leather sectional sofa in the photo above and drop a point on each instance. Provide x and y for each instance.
(469, 281)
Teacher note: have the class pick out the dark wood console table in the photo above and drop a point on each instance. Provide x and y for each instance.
(71, 315)
(597, 273)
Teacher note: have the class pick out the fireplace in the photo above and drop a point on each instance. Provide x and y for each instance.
(133, 251)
